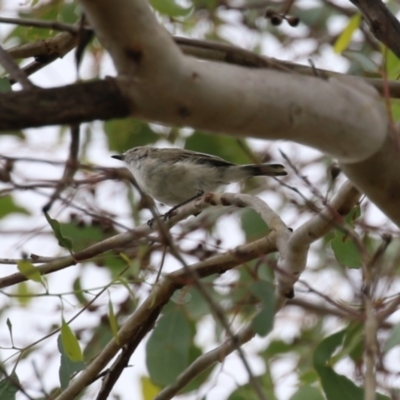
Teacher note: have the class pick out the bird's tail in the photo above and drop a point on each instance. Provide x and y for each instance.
(265, 169)
(238, 173)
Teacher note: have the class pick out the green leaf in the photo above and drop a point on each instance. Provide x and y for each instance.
(196, 307)
(9, 325)
(395, 108)
(5, 85)
(353, 343)
(78, 291)
(194, 353)
(23, 293)
(8, 390)
(263, 322)
(394, 338)
(167, 350)
(55, 225)
(127, 286)
(67, 366)
(70, 343)
(253, 225)
(69, 13)
(170, 8)
(317, 17)
(181, 296)
(113, 321)
(345, 250)
(353, 215)
(29, 271)
(226, 147)
(149, 390)
(277, 347)
(392, 63)
(336, 386)
(345, 37)
(123, 134)
(245, 392)
(343, 246)
(101, 336)
(308, 393)
(7, 206)
(81, 236)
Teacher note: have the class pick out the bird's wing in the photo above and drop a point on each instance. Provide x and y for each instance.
(202, 158)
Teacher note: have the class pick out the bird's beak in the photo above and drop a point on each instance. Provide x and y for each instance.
(119, 157)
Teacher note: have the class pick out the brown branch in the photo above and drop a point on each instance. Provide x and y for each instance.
(37, 23)
(206, 361)
(80, 102)
(225, 200)
(382, 22)
(16, 74)
(13, 380)
(122, 361)
(216, 264)
(71, 166)
(58, 46)
(160, 296)
(69, 104)
(44, 51)
(83, 102)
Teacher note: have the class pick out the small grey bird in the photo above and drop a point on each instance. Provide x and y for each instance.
(176, 176)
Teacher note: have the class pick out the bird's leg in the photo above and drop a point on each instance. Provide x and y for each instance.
(170, 212)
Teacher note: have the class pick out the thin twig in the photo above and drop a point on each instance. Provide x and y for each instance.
(13, 69)
(37, 23)
(14, 382)
(371, 322)
(275, 222)
(121, 362)
(34, 259)
(71, 166)
(204, 362)
(170, 283)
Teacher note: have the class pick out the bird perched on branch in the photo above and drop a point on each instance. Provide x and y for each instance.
(175, 176)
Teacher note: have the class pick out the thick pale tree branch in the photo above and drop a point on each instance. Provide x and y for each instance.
(344, 117)
(228, 53)
(293, 252)
(217, 264)
(169, 87)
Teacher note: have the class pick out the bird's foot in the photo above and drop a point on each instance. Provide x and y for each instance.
(165, 217)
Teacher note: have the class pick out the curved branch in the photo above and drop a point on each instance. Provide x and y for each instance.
(56, 46)
(294, 251)
(160, 296)
(204, 362)
(343, 117)
(217, 264)
(226, 261)
(228, 53)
